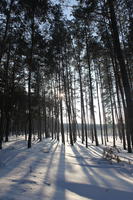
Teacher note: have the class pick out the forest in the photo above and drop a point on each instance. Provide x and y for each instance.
(66, 99)
(63, 73)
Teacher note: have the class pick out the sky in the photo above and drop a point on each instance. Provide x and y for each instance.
(67, 6)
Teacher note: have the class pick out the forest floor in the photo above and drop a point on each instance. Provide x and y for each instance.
(52, 171)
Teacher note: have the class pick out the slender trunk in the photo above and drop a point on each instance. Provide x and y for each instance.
(29, 79)
(91, 95)
(29, 107)
(45, 115)
(67, 100)
(84, 128)
(1, 127)
(99, 109)
(111, 102)
(103, 109)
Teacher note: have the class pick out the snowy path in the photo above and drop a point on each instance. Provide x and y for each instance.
(50, 171)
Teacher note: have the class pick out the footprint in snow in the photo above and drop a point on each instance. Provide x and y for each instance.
(24, 181)
(47, 183)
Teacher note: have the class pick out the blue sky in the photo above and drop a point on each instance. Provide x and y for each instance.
(67, 6)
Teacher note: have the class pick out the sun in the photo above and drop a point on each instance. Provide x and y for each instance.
(61, 95)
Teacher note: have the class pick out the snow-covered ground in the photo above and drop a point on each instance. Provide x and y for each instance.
(52, 171)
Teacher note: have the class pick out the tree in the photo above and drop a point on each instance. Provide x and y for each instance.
(125, 80)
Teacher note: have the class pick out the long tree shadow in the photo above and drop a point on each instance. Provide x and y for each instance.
(27, 180)
(95, 151)
(49, 166)
(60, 176)
(89, 167)
(10, 162)
(46, 178)
(19, 185)
(13, 158)
(96, 192)
(100, 173)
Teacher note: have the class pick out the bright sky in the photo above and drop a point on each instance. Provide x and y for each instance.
(67, 6)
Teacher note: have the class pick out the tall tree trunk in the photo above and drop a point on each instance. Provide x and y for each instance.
(45, 115)
(1, 126)
(126, 85)
(99, 107)
(61, 108)
(67, 101)
(91, 94)
(29, 79)
(84, 128)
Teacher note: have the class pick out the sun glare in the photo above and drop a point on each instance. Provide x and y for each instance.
(61, 95)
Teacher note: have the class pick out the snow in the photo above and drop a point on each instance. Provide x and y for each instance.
(52, 171)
